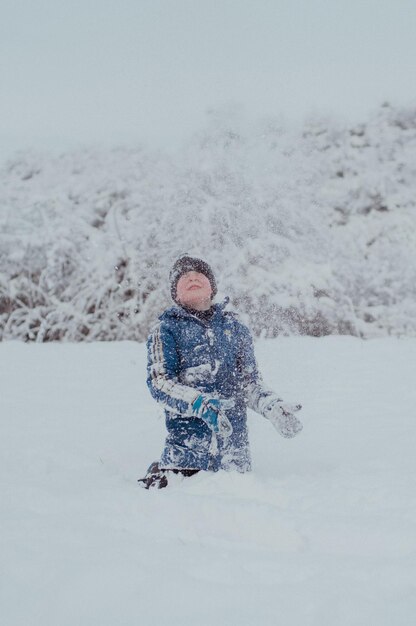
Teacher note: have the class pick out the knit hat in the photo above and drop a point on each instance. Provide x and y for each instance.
(185, 264)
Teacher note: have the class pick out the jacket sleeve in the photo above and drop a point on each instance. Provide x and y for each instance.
(162, 374)
(257, 394)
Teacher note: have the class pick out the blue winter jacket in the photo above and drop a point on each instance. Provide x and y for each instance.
(188, 356)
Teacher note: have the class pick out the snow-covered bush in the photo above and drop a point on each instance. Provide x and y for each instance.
(309, 231)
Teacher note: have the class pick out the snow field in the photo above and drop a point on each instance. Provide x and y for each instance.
(322, 532)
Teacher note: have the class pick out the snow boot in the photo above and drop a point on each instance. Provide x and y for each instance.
(158, 478)
(155, 478)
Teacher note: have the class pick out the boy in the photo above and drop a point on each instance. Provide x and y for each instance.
(202, 370)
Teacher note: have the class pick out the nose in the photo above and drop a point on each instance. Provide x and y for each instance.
(193, 276)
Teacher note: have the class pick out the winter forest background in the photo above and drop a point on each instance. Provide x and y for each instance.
(310, 230)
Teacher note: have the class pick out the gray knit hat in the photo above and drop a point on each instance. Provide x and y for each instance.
(185, 264)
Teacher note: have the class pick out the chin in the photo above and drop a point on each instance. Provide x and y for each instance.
(198, 302)
(195, 303)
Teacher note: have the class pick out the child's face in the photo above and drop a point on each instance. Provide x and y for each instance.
(194, 290)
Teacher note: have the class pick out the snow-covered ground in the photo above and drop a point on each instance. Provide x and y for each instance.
(323, 532)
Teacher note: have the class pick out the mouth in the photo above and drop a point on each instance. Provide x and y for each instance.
(194, 287)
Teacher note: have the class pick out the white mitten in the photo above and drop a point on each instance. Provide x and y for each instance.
(281, 415)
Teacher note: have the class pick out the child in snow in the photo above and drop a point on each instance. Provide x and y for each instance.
(202, 370)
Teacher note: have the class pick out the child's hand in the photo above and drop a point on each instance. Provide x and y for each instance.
(209, 410)
(281, 415)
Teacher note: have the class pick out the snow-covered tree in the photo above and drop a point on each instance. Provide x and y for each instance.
(309, 230)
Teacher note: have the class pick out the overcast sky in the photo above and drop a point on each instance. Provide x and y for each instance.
(86, 71)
